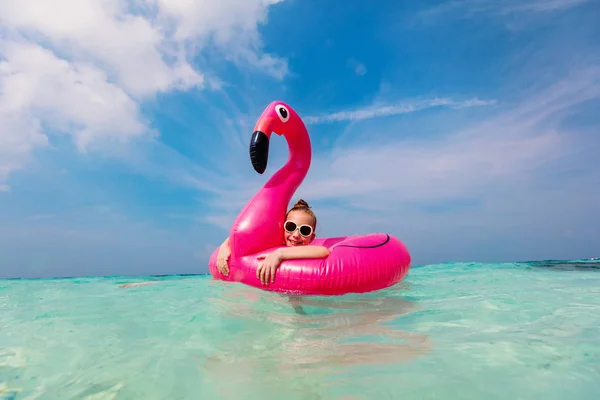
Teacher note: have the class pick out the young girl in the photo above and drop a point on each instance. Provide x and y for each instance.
(299, 226)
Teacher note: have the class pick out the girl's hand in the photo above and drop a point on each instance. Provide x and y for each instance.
(266, 269)
(222, 258)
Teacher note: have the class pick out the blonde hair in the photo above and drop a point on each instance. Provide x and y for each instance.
(302, 205)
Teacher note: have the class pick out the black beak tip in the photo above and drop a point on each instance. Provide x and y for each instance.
(259, 168)
(259, 151)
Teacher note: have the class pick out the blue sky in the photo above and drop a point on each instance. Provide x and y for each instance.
(467, 128)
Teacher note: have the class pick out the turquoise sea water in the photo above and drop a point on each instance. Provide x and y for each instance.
(448, 331)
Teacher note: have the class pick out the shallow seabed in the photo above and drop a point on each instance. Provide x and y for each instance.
(449, 331)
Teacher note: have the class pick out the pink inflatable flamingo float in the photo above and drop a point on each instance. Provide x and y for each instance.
(356, 264)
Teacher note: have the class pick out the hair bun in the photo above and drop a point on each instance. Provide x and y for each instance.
(302, 203)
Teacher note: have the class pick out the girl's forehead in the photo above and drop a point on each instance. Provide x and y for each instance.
(300, 217)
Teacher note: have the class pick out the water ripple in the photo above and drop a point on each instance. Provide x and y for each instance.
(455, 330)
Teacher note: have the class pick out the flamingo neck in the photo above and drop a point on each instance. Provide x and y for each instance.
(259, 225)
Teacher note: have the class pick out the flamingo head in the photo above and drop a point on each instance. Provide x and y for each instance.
(278, 118)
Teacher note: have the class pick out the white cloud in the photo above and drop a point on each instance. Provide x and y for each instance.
(18, 137)
(131, 48)
(386, 110)
(501, 7)
(65, 96)
(82, 67)
(231, 24)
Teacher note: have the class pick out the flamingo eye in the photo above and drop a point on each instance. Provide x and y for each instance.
(283, 113)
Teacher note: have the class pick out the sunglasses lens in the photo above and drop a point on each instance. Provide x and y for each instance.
(290, 226)
(305, 230)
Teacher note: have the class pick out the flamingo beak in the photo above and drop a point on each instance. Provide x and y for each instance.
(259, 151)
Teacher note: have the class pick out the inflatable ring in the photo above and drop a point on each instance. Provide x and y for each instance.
(356, 264)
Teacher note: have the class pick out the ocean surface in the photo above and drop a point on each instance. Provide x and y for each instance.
(448, 331)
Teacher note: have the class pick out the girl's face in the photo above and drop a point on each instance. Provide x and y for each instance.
(299, 229)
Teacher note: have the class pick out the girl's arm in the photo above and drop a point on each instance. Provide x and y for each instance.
(291, 253)
(270, 262)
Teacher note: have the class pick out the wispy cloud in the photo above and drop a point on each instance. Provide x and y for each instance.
(379, 110)
(469, 8)
(359, 68)
(511, 145)
(541, 5)
(83, 67)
